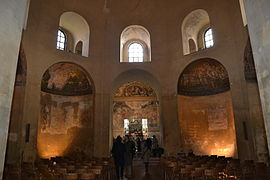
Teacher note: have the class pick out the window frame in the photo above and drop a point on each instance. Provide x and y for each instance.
(211, 40)
(143, 52)
(58, 41)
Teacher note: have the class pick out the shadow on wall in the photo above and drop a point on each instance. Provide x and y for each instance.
(66, 113)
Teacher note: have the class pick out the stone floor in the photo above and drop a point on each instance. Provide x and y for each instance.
(155, 172)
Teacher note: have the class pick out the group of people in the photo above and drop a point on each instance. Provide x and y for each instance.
(124, 150)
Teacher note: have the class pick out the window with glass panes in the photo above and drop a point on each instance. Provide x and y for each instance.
(135, 52)
(208, 38)
(61, 40)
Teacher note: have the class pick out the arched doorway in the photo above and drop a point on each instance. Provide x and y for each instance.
(66, 111)
(136, 111)
(205, 109)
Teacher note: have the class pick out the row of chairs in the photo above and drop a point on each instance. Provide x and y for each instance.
(62, 168)
(213, 168)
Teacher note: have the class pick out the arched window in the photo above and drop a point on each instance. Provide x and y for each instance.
(135, 52)
(135, 44)
(61, 40)
(208, 38)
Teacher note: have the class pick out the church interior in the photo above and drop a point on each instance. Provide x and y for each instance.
(77, 74)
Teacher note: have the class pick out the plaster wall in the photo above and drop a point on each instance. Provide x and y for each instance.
(12, 13)
(65, 125)
(259, 29)
(163, 20)
(207, 125)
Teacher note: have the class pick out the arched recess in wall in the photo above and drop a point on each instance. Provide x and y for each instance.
(66, 121)
(135, 99)
(76, 29)
(205, 109)
(255, 108)
(135, 34)
(16, 126)
(193, 28)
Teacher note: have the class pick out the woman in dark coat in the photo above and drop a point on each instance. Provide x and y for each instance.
(118, 152)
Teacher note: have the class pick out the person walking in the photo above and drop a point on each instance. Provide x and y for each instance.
(118, 153)
(130, 150)
(146, 153)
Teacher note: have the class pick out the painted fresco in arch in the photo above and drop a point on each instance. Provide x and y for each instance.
(203, 77)
(58, 114)
(21, 69)
(129, 108)
(135, 110)
(250, 71)
(135, 88)
(66, 99)
(66, 79)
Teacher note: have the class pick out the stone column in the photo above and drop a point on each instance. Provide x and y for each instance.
(258, 18)
(12, 16)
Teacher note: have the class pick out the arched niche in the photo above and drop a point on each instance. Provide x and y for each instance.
(135, 34)
(66, 111)
(78, 48)
(193, 27)
(137, 103)
(147, 84)
(205, 109)
(76, 30)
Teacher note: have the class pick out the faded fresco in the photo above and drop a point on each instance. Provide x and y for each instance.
(137, 89)
(203, 77)
(66, 79)
(207, 124)
(135, 100)
(250, 71)
(66, 112)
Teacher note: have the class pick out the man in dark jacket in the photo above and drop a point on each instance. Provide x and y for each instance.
(118, 152)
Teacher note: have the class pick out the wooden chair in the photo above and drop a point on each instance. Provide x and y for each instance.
(71, 176)
(87, 176)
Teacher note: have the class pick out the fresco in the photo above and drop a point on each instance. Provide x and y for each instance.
(136, 100)
(135, 88)
(66, 79)
(250, 71)
(66, 112)
(203, 77)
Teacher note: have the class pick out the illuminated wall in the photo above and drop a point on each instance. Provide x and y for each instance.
(207, 124)
(136, 100)
(205, 109)
(66, 112)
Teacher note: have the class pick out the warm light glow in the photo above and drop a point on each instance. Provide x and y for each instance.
(228, 151)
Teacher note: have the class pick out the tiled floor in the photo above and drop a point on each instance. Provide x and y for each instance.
(155, 171)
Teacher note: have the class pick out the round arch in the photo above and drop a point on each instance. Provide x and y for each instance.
(205, 111)
(146, 96)
(66, 122)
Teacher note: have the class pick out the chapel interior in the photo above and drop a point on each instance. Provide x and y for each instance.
(77, 74)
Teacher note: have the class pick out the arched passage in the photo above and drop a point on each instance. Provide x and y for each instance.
(136, 110)
(135, 97)
(66, 111)
(205, 109)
